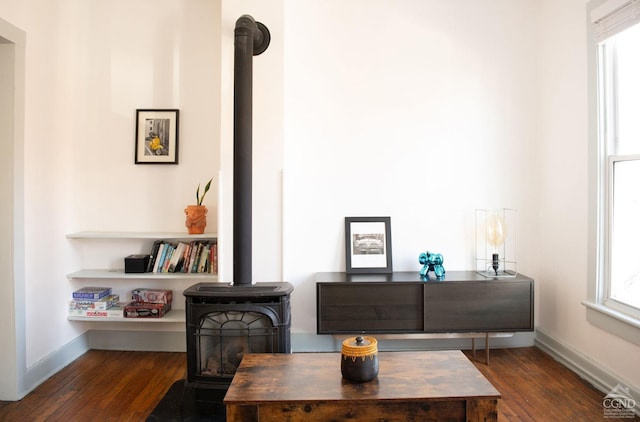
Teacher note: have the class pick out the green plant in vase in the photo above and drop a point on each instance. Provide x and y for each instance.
(197, 214)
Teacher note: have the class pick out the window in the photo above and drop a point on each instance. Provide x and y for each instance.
(619, 138)
(615, 292)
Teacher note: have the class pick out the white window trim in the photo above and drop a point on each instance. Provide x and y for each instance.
(600, 313)
(607, 8)
(613, 17)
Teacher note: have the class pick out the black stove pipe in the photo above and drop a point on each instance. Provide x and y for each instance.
(251, 39)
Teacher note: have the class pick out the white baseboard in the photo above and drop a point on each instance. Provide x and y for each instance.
(311, 342)
(39, 372)
(103, 340)
(138, 341)
(592, 372)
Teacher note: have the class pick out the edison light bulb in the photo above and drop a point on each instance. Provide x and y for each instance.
(496, 235)
(496, 230)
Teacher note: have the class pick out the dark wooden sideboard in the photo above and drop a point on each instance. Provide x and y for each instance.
(403, 302)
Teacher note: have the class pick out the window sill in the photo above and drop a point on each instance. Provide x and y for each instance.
(613, 321)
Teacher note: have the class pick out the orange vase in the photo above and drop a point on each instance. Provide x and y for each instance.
(196, 218)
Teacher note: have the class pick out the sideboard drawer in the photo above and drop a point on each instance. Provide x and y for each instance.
(369, 307)
(483, 307)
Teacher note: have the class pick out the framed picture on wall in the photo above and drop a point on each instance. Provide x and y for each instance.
(368, 245)
(157, 136)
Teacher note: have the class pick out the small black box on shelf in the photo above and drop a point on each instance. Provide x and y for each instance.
(136, 263)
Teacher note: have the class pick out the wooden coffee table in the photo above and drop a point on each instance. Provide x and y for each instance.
(431, 385)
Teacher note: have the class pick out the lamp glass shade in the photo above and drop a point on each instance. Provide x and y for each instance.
(496, 242)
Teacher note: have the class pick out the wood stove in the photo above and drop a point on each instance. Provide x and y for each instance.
(224, 322)
(227, 321)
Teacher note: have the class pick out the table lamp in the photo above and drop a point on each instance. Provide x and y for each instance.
(495, 242)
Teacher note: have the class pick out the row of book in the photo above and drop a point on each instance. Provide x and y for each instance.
(199, 256)
(101, 302)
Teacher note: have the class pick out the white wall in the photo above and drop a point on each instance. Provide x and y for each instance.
(563, 210)
(418, 110)
(90, 65)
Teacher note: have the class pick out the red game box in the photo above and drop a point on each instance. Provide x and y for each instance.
(152, 296)
(146, 310)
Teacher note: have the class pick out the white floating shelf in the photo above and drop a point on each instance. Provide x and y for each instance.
(139, 235)
(119, 273)
(173, 316)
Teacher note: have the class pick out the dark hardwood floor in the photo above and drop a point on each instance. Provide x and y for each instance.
(535, 387)
(126, 386)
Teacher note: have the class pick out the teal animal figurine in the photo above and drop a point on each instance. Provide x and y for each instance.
(431, 262)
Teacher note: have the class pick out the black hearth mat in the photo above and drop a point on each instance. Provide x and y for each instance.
(186, 404)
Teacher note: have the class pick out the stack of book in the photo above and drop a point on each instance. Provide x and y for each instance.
(184, 257)
(95, 302)
(149, 303)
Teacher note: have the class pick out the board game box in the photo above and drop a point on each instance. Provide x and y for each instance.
(113, 312)
(146, 310)
(152, 296)
(92, 293)
(99, 305)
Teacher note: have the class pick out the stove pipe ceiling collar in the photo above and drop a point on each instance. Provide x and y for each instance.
(251, 39)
